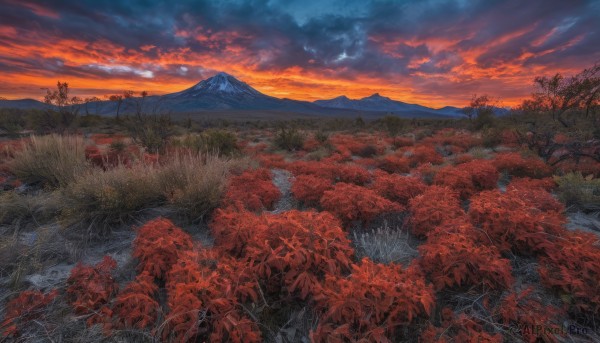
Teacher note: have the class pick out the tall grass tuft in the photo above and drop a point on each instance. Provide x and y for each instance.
(194, 183)
(52, 160)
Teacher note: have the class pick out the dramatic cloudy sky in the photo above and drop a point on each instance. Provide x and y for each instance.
(430, 52)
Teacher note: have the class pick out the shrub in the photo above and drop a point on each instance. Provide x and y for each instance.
(50, 160)
(461, 328)
(320, 169)
(483, 173)
(397, 188)
(309, 188)
(211, 141)
(433, 207)
(194, 184)
(576, 190)
(135, 306)
(546, 183)
(157, 246)
(457, 261)
(373, 304)
(457, 178)
(233, 227)
(515, 165)
(352, 174)
(294, 249)
(101, 199)
(512, 223)
(19, 311)
(394, 164)
(572, 268)
(254, 189)
(421, 154)
(351, 202)
(150, 131)
(385, 244)
(90, 288)
(289, 139)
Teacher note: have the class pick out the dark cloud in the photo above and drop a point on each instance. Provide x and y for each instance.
(341, 39)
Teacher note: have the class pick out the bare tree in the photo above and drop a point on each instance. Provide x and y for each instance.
(558, 95)
(62, 103)
(87, 102)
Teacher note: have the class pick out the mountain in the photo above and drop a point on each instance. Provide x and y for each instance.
(378, 103)
(223, 94)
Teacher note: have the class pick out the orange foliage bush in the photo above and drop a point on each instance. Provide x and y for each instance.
(397, 188)
(233, 227)
(512, 223)
(394, 164)
(420, 154)
(202, 305)
(316, 168)
(135, 306)
(90, 288)
(310, 188)
(524, 311)
(515, 165)
(433, 207)
(157, 246)
(461, 328)
(372, 304)
(254, 189)
(457, 178)
(572, 268)
(19, 311)
(351, 202)
(483, 173)
(295, 249)
(352, 174)
(546, 183)
(457, 260)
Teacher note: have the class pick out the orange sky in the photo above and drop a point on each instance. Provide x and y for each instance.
(299, 60)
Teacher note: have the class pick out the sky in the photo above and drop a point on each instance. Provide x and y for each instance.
(430, 52)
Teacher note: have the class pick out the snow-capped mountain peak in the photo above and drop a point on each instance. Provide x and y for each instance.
(221, 84)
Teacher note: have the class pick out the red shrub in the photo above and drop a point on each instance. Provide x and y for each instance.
(254, 189)
(351, 202)
(135, 306)
(320, 169)
(458, 261)
(157, 246)
(309, 188)
(538, 198)
(352, 174)
(90, 288)
(433, 207)
(272, 160)
(546, 183)
(394, 164)
(512, 223)
(483, 173)
(523, 311)
(373, 304)
(19, 311)
(514, 164)
(457, 178)
(398, 188)
(233, 227)
(295, 249)
(572, 268)
(461, 328)
(424, 154)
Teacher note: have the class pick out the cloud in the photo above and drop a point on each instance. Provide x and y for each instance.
(431, 51)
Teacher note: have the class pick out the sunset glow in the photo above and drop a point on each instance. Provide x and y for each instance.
(434, 53)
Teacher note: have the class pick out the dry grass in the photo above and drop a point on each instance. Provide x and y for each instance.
(18, 211)
(194, 184)
(385, 244)
(51, 160)
(101, 199)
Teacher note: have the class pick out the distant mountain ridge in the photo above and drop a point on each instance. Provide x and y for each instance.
(223, 92)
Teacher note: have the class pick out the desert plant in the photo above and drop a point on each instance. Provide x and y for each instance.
(310, 188)
(194, 184)
(289, 139)
(351, 203)
(26, 307)
(51, 160)
(211, 141)
(578, 191)
(435, 206)
(101, 199)
(397, 188)
(254, 189)
(385, 244)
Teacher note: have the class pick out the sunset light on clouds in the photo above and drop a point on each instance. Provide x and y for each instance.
(434, 53)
